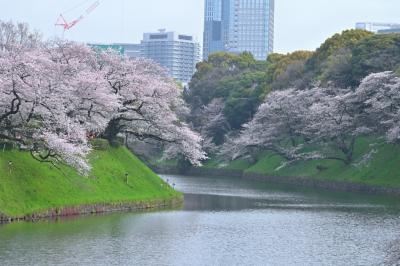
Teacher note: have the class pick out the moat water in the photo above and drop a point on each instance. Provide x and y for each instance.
(224, 221)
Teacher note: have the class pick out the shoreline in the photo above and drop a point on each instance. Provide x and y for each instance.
(306, 182)
(35, 190)
(98, 208)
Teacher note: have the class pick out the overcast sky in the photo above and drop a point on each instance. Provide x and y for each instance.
(299, 24)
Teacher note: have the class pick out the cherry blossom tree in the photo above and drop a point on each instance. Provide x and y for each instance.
(17, 36)
(54, 94)
(322, 123)
(33, 109)
(214, 125)
(150, 104)
(381, 94)
(335, 122)
(89, 98)
(341, 116)
(48, 97)
(277, 127)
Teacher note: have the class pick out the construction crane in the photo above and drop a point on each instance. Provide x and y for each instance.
(62, 22)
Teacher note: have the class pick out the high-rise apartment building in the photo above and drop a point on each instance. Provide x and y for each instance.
(239, 25)
(178, 53)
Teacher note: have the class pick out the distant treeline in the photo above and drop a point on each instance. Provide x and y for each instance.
(227, 90)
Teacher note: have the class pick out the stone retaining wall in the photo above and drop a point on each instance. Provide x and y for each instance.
(296, 181)
(96, 208)
(170, 170)
(214, 172)
(323, 184)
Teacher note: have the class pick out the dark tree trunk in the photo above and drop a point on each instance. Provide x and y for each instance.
(348, 150)
(112, 130)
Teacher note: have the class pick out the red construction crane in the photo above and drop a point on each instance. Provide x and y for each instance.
(61, 21)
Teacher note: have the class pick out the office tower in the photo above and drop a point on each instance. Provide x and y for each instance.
(239, 25)
(212, 38)
(176, 52)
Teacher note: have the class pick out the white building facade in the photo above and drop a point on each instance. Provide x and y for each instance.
(178, 53)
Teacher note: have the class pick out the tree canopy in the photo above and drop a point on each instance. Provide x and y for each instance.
(238, 89)
(56, 95)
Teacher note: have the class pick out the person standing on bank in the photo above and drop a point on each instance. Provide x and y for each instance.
(10, 165)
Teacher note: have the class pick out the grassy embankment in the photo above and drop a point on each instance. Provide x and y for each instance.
(382, 171)
(30, 186)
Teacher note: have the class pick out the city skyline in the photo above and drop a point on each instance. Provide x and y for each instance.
(299, 25)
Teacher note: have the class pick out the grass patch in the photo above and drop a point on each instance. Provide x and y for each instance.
(31, 186)
(383, 170)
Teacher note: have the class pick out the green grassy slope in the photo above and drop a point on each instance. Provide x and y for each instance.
(383, 170)
(31, 186)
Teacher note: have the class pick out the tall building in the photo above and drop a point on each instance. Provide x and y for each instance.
(379, 27)
(178, 53)
(212, 38)
(239, 25)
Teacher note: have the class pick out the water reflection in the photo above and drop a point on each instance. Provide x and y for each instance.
(224, 194)
(204, 202)
(223, 222)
